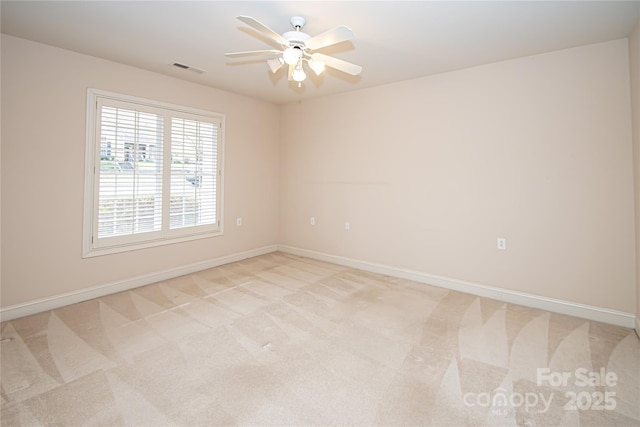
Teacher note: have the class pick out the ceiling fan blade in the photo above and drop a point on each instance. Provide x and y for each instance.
(257, 25)
(328, 38)
(252, 52)
(338, 64)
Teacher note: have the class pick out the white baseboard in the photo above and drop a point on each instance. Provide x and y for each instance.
(50, 303)
(569, 308)
(558, 306)
(638, 325)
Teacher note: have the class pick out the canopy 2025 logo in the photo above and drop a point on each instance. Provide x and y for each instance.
(582, 377)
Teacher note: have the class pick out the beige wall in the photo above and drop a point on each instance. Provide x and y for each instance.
(430, 172)
(43, 136)
(634, 60)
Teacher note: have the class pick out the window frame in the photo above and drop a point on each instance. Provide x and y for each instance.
(91, 244)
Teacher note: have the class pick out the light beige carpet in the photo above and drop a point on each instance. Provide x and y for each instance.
(282, 340)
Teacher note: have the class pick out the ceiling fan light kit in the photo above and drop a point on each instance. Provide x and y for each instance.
(298, 74)
(275, 63)
(292, 55)
(298, 47)
(316, 66)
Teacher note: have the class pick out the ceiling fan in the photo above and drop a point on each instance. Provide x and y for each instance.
(299, 47)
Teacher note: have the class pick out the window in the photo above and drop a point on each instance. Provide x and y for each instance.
(153, 173)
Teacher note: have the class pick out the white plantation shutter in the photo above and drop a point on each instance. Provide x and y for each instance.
(130, 174)
(193, 172)
(155, 174)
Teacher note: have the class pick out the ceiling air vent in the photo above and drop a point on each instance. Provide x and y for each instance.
(187, 67)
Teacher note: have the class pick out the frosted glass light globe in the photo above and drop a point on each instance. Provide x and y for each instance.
(298, 74)
(291, 55)
(316, 66)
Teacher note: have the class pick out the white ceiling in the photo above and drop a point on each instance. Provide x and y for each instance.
(395, 40)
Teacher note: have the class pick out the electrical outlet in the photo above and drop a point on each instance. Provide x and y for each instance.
(312, 221)
(502, 244)
(238, 222)
(347, 226)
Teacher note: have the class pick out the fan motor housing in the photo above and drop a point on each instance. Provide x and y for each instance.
(296, 37)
